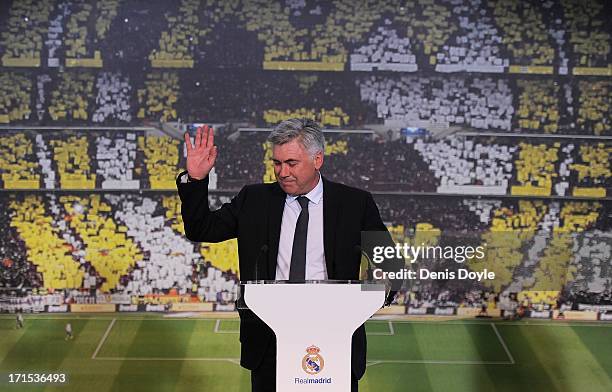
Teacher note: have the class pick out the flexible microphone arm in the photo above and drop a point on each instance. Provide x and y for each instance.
(359, 249)
(391, 294)
(240, 304)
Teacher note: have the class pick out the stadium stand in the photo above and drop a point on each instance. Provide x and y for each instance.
(178, 43)
(108, 249)
(378, 165)
(512, 227)
(18, 165)
(466, 167)
(477, 43)
(169, 256)
(72, 157)
(15, 91)
(15, 271)
(429, 24)
(133, 33)
(243, 162)
(45, 162)
(348, 100)
(161, 159)
(157, 99)
(22, 41)
(583, 21)
(173, 217)
(45, 248)
(113, 102)
(78, 250)
(324, 45)
(41, 100)
(592, 262)
(79, 230)
(524, 32)
(553, 15)
(107, 11)
(70, 101)
(117, 163)
(540, 202)
(538, 108)
(224, 255)
(593, 167)
(475, 102)
(594, 107)
(55, 34)
(77, 39)
(535, 169)
(385, 51)
(334, 117)
(116, 243)
(554, 269)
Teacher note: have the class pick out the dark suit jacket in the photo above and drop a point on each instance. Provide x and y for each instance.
(254, 218)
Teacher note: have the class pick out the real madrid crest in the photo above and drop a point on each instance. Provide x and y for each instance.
(313, 362)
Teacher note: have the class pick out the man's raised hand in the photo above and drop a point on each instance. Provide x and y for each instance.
(201, 156)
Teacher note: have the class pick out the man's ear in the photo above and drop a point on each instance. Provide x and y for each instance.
(318, 160)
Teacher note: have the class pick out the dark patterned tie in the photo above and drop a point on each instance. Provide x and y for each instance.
(297, 271)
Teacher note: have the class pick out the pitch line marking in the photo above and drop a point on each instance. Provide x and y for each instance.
(604, 324)
(390, 333)
(434, 362)
(232, 360)
(503, 343)
(110, 326)
(551, 323)
(218, 328)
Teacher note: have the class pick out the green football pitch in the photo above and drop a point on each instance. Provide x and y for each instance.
(154, 353)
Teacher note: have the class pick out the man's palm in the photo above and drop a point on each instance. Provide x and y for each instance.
(201, 156)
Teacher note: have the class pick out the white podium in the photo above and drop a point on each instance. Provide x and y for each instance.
(314, 323)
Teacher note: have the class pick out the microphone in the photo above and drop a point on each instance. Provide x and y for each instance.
(390, 295)
(240, 304)
(359, 250)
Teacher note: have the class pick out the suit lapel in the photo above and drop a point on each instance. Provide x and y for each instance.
(275, 216)
(331, 206)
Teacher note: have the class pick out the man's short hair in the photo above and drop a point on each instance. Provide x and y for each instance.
(308, 132)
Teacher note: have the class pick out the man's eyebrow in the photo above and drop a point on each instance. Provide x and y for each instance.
(286, 161)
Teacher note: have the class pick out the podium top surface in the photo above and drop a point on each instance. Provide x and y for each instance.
(328, 281)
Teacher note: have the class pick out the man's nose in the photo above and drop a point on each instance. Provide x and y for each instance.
(284, 171)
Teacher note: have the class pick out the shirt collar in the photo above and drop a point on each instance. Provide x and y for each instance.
(315, 195)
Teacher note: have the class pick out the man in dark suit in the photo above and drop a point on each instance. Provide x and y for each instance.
(301, 227)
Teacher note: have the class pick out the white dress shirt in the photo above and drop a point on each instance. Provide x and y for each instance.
(315, 253)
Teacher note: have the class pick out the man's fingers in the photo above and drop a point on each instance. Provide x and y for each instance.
(213, 155)
(198, 138)
(210, 137)
(188, 142)
(204, 135)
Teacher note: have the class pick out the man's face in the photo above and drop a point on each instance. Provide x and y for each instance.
(295, 169)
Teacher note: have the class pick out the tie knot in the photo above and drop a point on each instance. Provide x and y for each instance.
(303, 200)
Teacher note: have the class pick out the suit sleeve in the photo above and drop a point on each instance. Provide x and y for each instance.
(372, 222)
(371, 219)
(201, 224)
